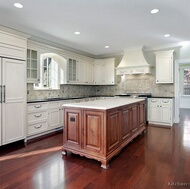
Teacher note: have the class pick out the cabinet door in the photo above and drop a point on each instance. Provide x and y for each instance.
(142, 114)
(98, 72)
(165, 110)
(82, 75)
(164, 67)
(108, 72)
(153, 110)
(61, 112)
(32, 66)
(113, 130)
(89, 73)
(72, 129)
(126, 124)
(55, 115)
(72, 71)
(93, 131)
(14, 101)
(134, 118)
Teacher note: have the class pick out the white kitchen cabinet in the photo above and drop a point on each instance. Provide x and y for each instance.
(33, 66)
(80, 72)
(13, 99)
(55, 114)
(45, 117)
(164, 66)
(37, 118)
(61, 111)
(72, 71)
(104, 72)
(160, 111)
(12, 87)
(85, 73)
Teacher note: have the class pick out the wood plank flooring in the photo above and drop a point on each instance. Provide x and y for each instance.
(160, 159)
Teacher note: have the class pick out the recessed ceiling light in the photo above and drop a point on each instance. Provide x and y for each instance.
(107, 46)
(167, 35)
(18, 5)
(154, 11)
(77, 33)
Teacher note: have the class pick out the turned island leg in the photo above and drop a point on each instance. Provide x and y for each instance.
(104, 165)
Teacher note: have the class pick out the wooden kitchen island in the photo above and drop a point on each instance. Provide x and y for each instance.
(100, 129)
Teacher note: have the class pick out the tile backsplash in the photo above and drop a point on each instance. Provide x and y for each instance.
(137, 84)
(65, 91)
(126, 84)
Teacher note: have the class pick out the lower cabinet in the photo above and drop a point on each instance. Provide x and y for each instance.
(160, 111)
(101, 134)
(44, 117)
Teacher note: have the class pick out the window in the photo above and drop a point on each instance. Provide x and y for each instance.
(52, 71)
(185, 80)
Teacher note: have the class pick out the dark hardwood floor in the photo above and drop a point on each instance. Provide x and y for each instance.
(160, 159)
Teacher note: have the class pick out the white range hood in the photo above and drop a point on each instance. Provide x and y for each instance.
(133, 62)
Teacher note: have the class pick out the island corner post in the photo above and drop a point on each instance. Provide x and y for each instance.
(101, 134)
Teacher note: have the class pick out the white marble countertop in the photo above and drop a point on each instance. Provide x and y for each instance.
(104, 104)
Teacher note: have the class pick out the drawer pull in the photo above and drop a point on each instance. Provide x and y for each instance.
(153, 100)
(165, 101)
(38, 106)
(38, 115)
(37, 127)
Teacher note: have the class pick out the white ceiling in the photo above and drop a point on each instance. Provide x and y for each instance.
(117, 23)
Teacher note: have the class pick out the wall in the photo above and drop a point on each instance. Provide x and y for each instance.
(137, 84)
(65, 91)
(126, 84)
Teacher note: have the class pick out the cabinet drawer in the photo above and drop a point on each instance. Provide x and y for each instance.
(54, 104)
(37, 106)
(37, 128)
(153, 102)
(165, 101)
(36, 116)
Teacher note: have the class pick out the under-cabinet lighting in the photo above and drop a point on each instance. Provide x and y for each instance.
(18, 5)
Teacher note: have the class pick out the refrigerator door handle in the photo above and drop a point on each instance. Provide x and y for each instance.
(1, 94)
(4, 94)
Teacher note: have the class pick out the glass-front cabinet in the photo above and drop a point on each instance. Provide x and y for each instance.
(32, 66)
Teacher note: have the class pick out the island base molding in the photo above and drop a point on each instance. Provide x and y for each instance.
(102, 134)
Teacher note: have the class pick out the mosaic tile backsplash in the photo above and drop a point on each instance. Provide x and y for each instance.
(137, 84)
(126, 84)
(65, 91)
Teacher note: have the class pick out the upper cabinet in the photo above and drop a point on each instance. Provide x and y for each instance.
(79, 72)
(12, 46)
(164, 66)
(104, 71)
(32, 66)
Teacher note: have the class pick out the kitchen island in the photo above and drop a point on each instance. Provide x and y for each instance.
(100, 129)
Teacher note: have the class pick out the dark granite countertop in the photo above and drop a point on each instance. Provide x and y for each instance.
(169, 97)
(65, 98)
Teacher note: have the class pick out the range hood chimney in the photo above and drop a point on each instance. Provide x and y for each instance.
(133, 62)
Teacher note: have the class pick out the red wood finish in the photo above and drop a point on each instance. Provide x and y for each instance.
(72, 133)
(101, 134)
(159, 159)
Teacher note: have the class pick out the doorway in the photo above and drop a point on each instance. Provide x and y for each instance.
(178, 88)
